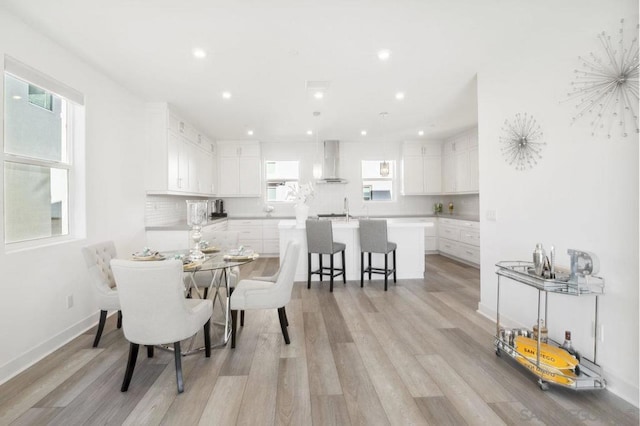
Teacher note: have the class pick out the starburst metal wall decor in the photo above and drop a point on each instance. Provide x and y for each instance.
(522, 141)
(606, 86)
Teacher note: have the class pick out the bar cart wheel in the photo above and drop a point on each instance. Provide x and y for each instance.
(498, 352)
(543, 385)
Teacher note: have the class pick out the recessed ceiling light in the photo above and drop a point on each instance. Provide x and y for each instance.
(250, 132)
(226, 95)
(421, 133)
(199, 53)
(363, 132)
(384, 54)
(400, 96)
(309, 132)
(318, 95)
(17, 97)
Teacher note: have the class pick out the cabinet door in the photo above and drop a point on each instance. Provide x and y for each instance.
(249, 149)
(184, 156)
(173, 159)
(474, 181)
(193, 159)
(432, 175)
(412, 149)
(228, 183)
(249, 176)
(413, 175)
(204, 166)
(449, 173)
(462, 171)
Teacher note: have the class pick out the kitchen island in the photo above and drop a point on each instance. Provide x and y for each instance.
(407, 233)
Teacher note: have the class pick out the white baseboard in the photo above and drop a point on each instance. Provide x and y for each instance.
(32, 356)
(615, 384)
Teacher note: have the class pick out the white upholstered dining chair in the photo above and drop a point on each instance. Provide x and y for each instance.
(257, 294)
(97, 258)
(156, 312)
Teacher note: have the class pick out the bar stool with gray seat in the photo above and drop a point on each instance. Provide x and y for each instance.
(320, 240)
(373, 239)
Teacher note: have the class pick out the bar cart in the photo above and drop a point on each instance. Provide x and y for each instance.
(585, 376)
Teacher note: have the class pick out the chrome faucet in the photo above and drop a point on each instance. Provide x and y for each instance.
(346, 208)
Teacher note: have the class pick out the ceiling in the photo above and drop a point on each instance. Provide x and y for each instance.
(263, 53)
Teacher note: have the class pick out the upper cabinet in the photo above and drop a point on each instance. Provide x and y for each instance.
(460, 163)
(179, 159)
(239, 170)
(421, 168)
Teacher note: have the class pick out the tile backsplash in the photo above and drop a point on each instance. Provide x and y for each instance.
(164, 210)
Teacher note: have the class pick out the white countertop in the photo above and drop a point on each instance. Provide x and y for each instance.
(404, 222)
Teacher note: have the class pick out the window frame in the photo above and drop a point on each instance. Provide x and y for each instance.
(391, 178)
(73, 125)
(279, 180)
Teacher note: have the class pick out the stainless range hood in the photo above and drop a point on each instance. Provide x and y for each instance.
(330, 166)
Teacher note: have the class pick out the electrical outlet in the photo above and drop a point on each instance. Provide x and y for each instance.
(70, 301)
(491, 215)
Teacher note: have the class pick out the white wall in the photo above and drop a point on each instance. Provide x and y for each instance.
(583, 194)
(34, 284)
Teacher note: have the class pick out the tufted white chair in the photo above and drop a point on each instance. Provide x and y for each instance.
(224, 240)
(156, 311)
(97, 258)
(257, 294)
(271, 278)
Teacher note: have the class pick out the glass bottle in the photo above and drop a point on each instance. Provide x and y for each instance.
(543, 332)
(568, 346)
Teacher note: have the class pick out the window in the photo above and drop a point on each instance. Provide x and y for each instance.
(281, 177)
(377, 180)
(37, 161)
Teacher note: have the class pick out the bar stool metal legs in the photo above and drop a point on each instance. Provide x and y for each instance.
(386, 271)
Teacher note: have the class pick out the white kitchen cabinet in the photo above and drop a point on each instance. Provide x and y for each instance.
(459, 239)
(179, 239)
(421, 168)
(205, 164)
(431, 236)
(250, 232)
(174, 162)
(261, 235)
(270, 237)
(460, 163)
(239, 166)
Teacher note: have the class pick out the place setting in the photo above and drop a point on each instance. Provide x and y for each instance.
(147, 254)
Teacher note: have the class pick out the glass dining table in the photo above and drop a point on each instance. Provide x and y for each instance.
(219, 266)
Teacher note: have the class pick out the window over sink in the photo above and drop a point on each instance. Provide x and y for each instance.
(281, 178)
(377, 180)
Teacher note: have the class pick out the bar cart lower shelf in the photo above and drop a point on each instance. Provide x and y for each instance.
(539, 357)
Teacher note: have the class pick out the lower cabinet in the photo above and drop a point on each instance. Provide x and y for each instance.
(431, 236)
(179, 239)
(459, 239)
(261, 235)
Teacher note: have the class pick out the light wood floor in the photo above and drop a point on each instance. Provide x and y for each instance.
(417, 354)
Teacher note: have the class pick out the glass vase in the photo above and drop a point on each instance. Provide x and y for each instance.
(196, 217)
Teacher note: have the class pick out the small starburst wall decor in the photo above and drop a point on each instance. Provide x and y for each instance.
(522, 141)
(606, 86)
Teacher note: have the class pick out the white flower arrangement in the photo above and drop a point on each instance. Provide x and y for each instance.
(301, 193)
